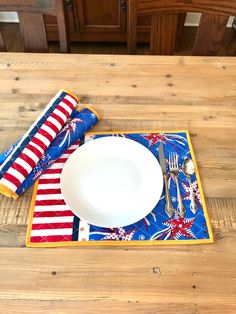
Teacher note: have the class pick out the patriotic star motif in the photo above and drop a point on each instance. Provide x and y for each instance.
(153, 138)
(179, 226)
(70, 127)
(120, 234)
(196, 192)
(46, 161)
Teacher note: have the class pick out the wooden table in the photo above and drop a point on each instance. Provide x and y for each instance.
(130, 92)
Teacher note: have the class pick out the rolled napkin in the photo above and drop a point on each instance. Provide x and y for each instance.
(74, 129)
(26, 153)
(7, 152)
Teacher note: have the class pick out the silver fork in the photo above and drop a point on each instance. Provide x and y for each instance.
(174, 169)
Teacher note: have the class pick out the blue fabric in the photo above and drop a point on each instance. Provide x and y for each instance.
(157, 225)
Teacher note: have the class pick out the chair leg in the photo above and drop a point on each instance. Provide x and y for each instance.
(180, 30)
(132, 27)
(2, 43)
(63, 26)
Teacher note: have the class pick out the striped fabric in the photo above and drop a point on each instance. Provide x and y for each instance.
(53, 219)
(73, 130)
(31, 147)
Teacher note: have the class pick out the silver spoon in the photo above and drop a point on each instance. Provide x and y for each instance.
(188, 170)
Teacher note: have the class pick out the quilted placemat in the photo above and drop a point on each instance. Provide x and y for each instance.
(52, 223)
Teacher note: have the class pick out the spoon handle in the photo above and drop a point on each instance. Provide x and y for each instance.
(193, 205)
(169, 209)
(181, 207)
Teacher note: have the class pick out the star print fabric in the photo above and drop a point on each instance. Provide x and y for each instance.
(54, 224)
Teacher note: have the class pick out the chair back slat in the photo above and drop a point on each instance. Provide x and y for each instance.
(33, 32)
(163, 26)
(209, 34)
(2, 43)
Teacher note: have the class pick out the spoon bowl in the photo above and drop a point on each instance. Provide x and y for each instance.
(188, 167)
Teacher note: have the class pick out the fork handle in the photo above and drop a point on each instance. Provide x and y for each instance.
(181, 208)
(169, 209)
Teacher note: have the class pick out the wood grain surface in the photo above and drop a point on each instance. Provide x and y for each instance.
(130, 92)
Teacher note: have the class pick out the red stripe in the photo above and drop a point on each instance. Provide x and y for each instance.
(73, 97)
(56, 225)
(61, 160)
(59, 119)
(54, 238)
(39, 143)
(46, 134)
(69, 151)
(49, 181)
(63, 110)
(58, 213)
(49, 202)
(12, 179)
(34, 150)
(27, 159)
(19, 168)
(48, 191)
(50, 171)
(52, 126)
(68, 103)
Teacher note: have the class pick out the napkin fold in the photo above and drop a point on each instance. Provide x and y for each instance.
(23, 156)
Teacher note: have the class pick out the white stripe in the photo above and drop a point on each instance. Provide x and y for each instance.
(49, 186)
(55, 122)
(47, 220)
(57, 165)
(43, 139)
(9, 184)
(74, 146)
(32, 155)
(84, 233)
(38, 147)
(53, 208)
(72, 100)
(49, 130)
(24, 164)
(66, 107)
(60, 114)
(16, 174)
(46, 196)
(65, 156)
(49, 232)
(50, 176)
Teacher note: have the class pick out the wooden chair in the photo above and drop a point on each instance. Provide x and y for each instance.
(30, 13)
(2, 43)
(167, 15)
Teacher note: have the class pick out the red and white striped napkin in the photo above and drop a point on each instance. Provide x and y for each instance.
(33, 144)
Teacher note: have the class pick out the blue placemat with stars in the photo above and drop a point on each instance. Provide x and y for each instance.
(156, 228)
